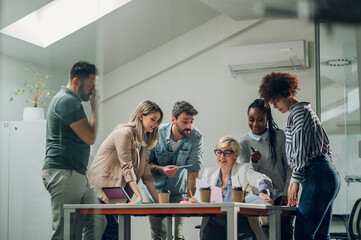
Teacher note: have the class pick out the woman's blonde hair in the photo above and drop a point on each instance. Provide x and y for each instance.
(146, 107)
(228, 141)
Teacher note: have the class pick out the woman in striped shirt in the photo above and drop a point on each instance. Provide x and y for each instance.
(309, 155)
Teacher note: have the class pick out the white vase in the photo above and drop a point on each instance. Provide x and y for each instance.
(33, 113)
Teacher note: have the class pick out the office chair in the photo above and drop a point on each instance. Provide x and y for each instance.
(353, 229)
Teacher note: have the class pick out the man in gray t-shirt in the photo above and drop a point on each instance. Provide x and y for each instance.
(68, 139)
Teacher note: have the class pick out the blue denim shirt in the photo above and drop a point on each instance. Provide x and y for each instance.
(189, 151)
(227, 194)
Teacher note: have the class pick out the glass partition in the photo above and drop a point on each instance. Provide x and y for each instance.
(339, 106)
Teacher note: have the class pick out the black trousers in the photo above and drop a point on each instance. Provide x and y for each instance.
(111, 230)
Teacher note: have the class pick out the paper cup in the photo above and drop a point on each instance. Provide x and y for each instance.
(205, 195)
(163, 197)
(238, 196)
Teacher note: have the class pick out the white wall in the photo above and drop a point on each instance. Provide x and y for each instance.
(205, 81)
(186, 69)
(12, 77)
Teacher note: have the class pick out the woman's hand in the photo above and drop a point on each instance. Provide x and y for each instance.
(139, 199)
(255, 156)
(293, 194)
(266, 198)
(193, 200)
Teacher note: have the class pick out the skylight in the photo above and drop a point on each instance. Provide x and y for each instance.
(59, 19)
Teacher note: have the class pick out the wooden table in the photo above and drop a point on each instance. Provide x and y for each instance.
(231, 210)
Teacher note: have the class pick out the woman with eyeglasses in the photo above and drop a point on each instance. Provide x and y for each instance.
(309, 155)
(264, 148)
(228, 175)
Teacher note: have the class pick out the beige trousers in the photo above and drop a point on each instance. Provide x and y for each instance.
(71, 187)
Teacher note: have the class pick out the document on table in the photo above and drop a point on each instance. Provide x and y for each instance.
(216, 192)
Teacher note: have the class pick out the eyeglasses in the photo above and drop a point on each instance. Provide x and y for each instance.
(225, 153)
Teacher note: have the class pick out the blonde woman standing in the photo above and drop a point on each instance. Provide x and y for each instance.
(122, 158)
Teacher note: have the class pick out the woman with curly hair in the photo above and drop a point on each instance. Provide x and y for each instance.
(309, 155)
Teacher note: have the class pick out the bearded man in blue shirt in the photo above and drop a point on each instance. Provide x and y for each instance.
(179, 144)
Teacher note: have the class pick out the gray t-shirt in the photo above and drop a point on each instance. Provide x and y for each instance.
(280, 174)
(64, 149)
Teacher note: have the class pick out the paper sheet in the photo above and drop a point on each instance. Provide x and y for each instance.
(216, 192)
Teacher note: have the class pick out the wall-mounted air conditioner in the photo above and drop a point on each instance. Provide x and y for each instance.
(292, 54)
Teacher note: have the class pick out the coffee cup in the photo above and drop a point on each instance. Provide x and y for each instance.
(238, 194)
(205, 194)
(163, 196)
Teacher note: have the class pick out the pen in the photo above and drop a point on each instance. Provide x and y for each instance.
(191, 193)
(253, 150)
(185, 166)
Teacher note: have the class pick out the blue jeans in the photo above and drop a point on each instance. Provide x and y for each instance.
(320, 187)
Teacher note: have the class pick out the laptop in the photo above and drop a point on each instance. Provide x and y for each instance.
(116, 195)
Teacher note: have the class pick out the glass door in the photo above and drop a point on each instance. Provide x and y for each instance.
(339, 105)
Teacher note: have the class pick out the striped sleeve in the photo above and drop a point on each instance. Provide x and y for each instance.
(301, 138)
(298, 160)
(305, 139)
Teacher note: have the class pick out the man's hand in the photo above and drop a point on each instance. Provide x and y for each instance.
(94, 98)
(293, 194)
(170, 170)
(255, 156)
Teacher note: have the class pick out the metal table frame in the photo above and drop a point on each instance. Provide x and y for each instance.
(231, 210)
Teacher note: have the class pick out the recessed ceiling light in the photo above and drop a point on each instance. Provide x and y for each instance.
(339, 62)
(59, 19)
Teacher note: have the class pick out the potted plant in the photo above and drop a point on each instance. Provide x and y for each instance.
(35, 92)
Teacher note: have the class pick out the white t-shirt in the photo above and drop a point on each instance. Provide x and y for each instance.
(174, 145)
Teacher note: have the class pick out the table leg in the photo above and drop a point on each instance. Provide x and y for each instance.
(124, 227)
(275, 224)
(232, 220)
(169, 228)
(67, 215)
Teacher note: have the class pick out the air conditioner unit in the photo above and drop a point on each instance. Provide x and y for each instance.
(292, 54)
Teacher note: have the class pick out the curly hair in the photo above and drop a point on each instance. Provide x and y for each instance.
(278, 85)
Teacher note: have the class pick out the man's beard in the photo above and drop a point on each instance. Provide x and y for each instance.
(84, 97)
(184, 133)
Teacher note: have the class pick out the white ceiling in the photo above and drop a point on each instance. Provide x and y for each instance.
(128, 32)
(117, 38)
